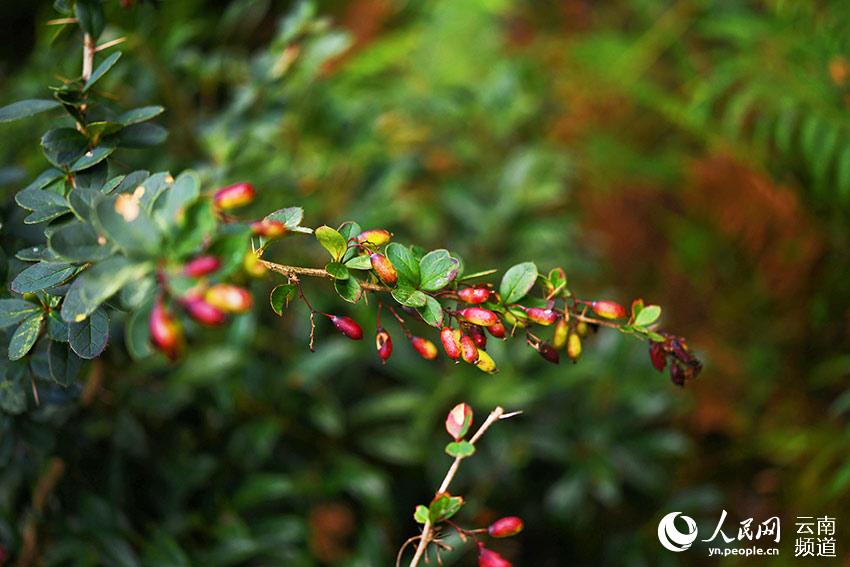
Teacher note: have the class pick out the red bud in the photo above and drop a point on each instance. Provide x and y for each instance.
(458, 421)
(424, 347)
(480, 316)
(549, 352)
(166, 332)
(268, 228)
(233, 196)
(229, 298)
(384, 344)
(658, 356)
(201, 266)
(474, 295)
(347, 326)
(451, 344)
(506, 527)
(608, 309)
(376, 237)
(497, 330)
(203, 312)
(541, 316)
(468, 350)
(478, 337)
(487, 558)
(384, 268)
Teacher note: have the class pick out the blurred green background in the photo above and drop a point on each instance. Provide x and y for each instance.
(693, 153)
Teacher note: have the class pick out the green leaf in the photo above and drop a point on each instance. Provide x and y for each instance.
(408, 296)
(421, 514)
(64, 146)
(45, 204)
(199, 224)
(137, 332)
(359, 263)
(349, 230)
(78, 242)
(648, 315)
(36, 254)
(143, 135)
(127, 225)
(291, 217)
(57, 329)
(94, 156)
(102, 69)
(444, 507)
(405, 263)
(437, 269)
(332, 241)
(127, 183)
(337, 270)
(142, 114)
(90, 15)
(24, 108)
(97, 130)
(42, 276)
(280, 296)
(153, 187)
(88, 338)
(462, 449)
(25, 336)
(13, 387)
(13, 311)
(432, 312)
(99, 283)
(184, 192)
(517, 282)
(64, 365)
(349, 289)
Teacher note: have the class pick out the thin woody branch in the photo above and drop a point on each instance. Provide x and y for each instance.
(427, 529)
(290, 271)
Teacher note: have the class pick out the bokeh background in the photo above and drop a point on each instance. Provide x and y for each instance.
(693, 153)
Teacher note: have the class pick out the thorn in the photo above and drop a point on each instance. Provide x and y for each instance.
(509, 415)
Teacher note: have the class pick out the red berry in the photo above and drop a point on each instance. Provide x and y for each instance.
(233, 196)
(384, 344)
(166, 332)
(268, 228)
(478, 337)
(384, 268)
(506, 527)
(424, 347)
(229, 298)
(347, 326)
(549, 352)
(474, 295)
(202, 312)
(201, 266)
(497, 330)
(658, 356)
(608, 309)
(451, 344)
(480, 316)
(468, 350)
(488, 558)
(541, 316)
(375, 237)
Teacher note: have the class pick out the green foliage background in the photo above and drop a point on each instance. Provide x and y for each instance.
(693, 153)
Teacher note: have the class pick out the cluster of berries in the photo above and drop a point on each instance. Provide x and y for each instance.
(684, 366)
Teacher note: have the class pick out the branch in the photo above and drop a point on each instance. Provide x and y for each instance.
(88, 56)
(290, 271)
(494, 416)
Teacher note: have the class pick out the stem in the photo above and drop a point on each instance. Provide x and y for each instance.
(88, 56)
(494, 416)
(290, 271)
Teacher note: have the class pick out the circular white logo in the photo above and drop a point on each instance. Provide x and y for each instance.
(670, 536)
